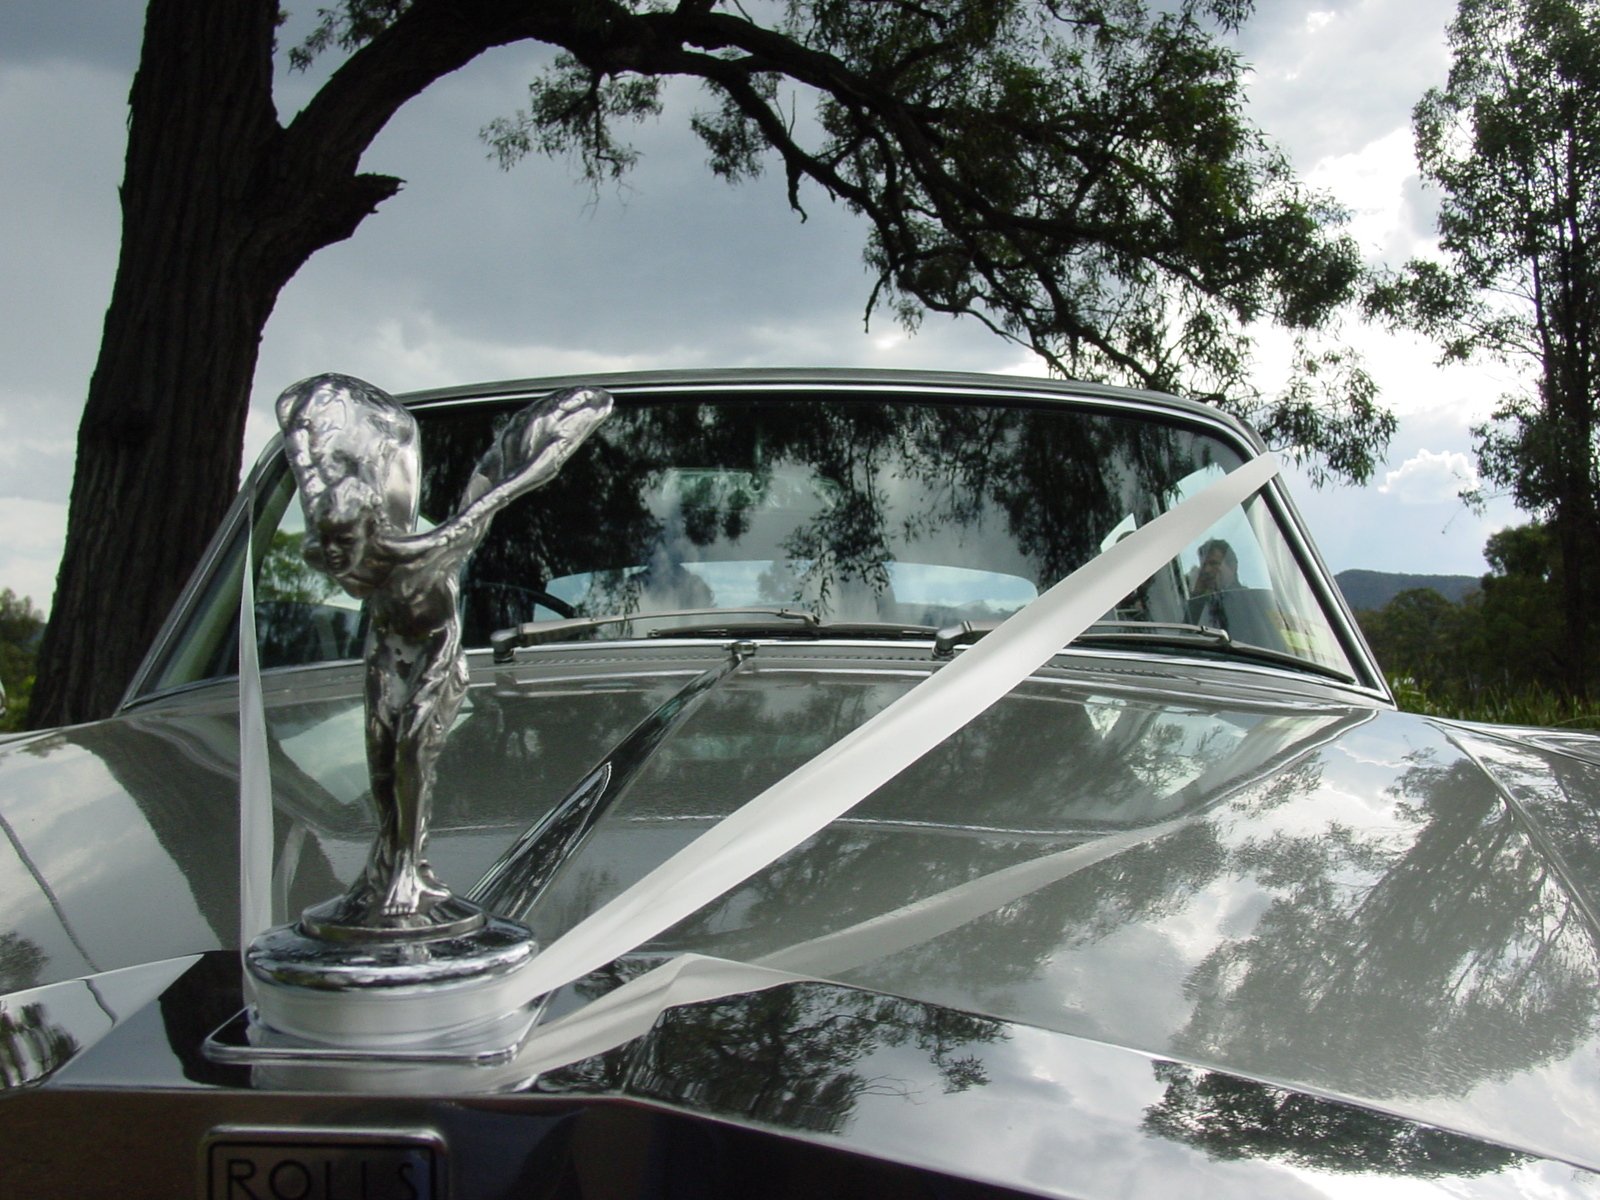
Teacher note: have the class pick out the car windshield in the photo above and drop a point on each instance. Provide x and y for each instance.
(851, 513)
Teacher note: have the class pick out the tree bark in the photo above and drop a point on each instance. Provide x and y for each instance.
(221, 205)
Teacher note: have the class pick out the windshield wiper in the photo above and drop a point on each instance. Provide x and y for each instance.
(1146, 633)
(948, 638)
(877, 630)
(1219, 639)
(1175, 632)
(537, 633)
(797, 622)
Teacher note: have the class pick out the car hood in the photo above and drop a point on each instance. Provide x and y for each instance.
(1307, 892)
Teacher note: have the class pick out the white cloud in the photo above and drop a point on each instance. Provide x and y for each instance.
(31, 536)
(1430, 477)
(23, 442)
(1371, 183)
(1332, 77)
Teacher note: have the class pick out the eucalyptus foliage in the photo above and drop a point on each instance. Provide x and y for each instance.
(1512, 143)
(20, 625)
(1079, 175)
(1498, 655)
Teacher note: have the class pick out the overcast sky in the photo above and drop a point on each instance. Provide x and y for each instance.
(472, 273)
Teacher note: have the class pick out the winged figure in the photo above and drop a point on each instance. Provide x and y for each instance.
(356, 461)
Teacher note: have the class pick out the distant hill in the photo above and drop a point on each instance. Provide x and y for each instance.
(1373, 589)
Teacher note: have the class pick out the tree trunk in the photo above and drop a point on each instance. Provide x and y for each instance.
(161, 435)
(214, 224)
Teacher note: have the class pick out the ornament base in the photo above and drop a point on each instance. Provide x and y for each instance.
(385, 994)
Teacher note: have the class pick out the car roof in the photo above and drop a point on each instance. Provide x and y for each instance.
(758, 379)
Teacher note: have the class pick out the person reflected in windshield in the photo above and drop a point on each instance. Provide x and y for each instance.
(666, 585)
(1216, 574)
(1218, 569)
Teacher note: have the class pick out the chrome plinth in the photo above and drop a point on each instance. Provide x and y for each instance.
(476, 1060)
(376, 995)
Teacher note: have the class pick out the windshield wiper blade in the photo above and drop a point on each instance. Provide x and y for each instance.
(948, 638)
(536, 633)
(1174, 634)
(1161, 633)
(1149, 632)
(877, 630)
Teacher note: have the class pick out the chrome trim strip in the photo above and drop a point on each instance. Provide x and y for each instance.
(232, 522)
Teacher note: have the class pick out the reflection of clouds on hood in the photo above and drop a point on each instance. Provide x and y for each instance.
(1086, 1102)
(1431, 477)
(87, 840)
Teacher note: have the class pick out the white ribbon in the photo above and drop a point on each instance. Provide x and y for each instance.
(255, 777)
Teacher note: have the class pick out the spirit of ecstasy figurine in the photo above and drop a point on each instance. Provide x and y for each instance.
(354, 454)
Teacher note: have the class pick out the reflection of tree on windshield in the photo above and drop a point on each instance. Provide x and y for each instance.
(1233, 1118)
(284, 574)
(294, 622)
(1026, 492)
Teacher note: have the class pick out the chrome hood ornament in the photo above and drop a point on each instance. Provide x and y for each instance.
(356, 462)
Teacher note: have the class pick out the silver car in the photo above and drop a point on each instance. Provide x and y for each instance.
(1190, 909)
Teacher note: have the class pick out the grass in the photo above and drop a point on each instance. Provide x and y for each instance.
(1531, 706)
